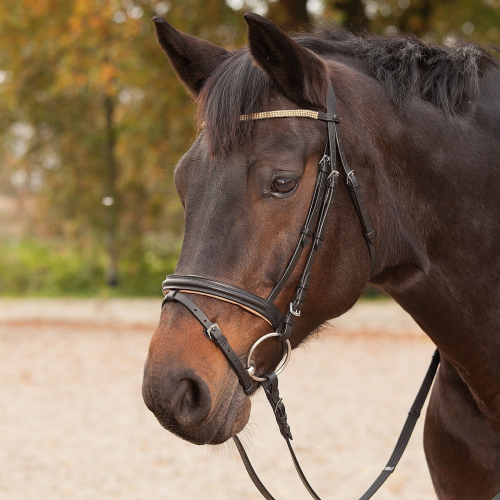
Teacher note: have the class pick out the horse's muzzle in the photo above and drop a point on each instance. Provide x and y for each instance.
(181, 401)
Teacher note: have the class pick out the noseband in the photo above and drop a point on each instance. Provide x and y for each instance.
(312, 235)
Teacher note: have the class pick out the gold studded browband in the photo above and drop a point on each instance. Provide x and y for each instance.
(290, 113)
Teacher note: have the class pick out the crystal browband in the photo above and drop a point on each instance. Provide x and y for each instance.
(289, 113)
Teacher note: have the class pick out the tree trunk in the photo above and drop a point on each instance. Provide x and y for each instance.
(110, 195)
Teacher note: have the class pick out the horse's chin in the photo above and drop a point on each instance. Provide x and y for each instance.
(227, 421)
(235, 421)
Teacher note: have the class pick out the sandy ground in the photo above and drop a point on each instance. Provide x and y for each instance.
(73, 424)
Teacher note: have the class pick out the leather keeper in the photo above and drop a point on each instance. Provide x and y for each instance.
(325, 165)
(370, 236)
(328, 117)
(285, 328)
(353, 183)
(306, 236)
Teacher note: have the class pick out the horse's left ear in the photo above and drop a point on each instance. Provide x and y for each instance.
(300, 73)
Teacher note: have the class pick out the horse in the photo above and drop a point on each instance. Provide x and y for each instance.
(420, 125)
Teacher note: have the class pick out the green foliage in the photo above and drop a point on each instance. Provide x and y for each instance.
(92, 121)
(90, 110)
(31, 268)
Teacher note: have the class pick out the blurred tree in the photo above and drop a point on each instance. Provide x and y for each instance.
(432, 19)
(291, 15)
(351, 12)
(92, 117)
(99, 116)
(439, 20)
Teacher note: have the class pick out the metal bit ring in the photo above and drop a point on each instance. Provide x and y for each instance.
(250, 366)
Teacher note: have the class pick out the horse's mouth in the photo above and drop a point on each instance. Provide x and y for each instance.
(235, 419)
(227, 420)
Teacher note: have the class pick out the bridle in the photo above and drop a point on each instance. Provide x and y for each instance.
(312, 234)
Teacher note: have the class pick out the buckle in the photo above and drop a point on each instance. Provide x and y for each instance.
(213, 326)
(325, 163)
(295, 312)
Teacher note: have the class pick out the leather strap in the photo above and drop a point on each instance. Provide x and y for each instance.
(271, 389)
(306, 232)
(352, 182)
(249, 301)
(408, 427)
(213, 333)
(318, 215)
(251, 471)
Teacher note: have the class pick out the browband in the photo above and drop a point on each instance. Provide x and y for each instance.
(292, 113)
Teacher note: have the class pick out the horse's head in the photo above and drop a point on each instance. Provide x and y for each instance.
(246, 187)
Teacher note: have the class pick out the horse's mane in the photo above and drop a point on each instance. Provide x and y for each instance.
(405, 66)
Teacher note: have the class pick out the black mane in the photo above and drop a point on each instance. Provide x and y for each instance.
(404, 65)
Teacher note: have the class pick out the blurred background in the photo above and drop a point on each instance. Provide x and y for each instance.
(93, 120)
(92, 123)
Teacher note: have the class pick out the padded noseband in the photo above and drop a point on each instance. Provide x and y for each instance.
(229, 293)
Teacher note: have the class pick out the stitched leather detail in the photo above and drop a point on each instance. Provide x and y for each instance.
(249, 301)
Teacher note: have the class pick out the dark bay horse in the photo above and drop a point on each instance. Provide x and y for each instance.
(421, 128)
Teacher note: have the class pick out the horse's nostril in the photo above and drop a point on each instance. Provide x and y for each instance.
(191, 397)
(191, 402)
(176, 396)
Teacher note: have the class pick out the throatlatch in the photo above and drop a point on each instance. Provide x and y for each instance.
(175, 288)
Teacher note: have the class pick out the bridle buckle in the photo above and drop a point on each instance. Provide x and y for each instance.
(325, 158)
(295, 312)
(213, 326)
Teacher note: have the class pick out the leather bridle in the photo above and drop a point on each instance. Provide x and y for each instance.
(175, 287)
(312, 234)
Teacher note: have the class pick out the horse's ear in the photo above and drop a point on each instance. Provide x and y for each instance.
(301, 74)
(193, 59)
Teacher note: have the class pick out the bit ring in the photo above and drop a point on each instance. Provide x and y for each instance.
(282, 364)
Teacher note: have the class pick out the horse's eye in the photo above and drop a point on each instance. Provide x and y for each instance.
(283, 185)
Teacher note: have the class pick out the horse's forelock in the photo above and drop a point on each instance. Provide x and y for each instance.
(235, 88)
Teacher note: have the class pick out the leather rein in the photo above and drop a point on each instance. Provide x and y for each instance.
(175, 287)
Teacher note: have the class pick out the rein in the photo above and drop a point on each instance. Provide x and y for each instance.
(175, 287)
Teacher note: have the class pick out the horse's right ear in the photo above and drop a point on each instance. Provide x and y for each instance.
(193, 59)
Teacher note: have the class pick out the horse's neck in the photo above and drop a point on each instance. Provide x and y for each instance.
(441, 237)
